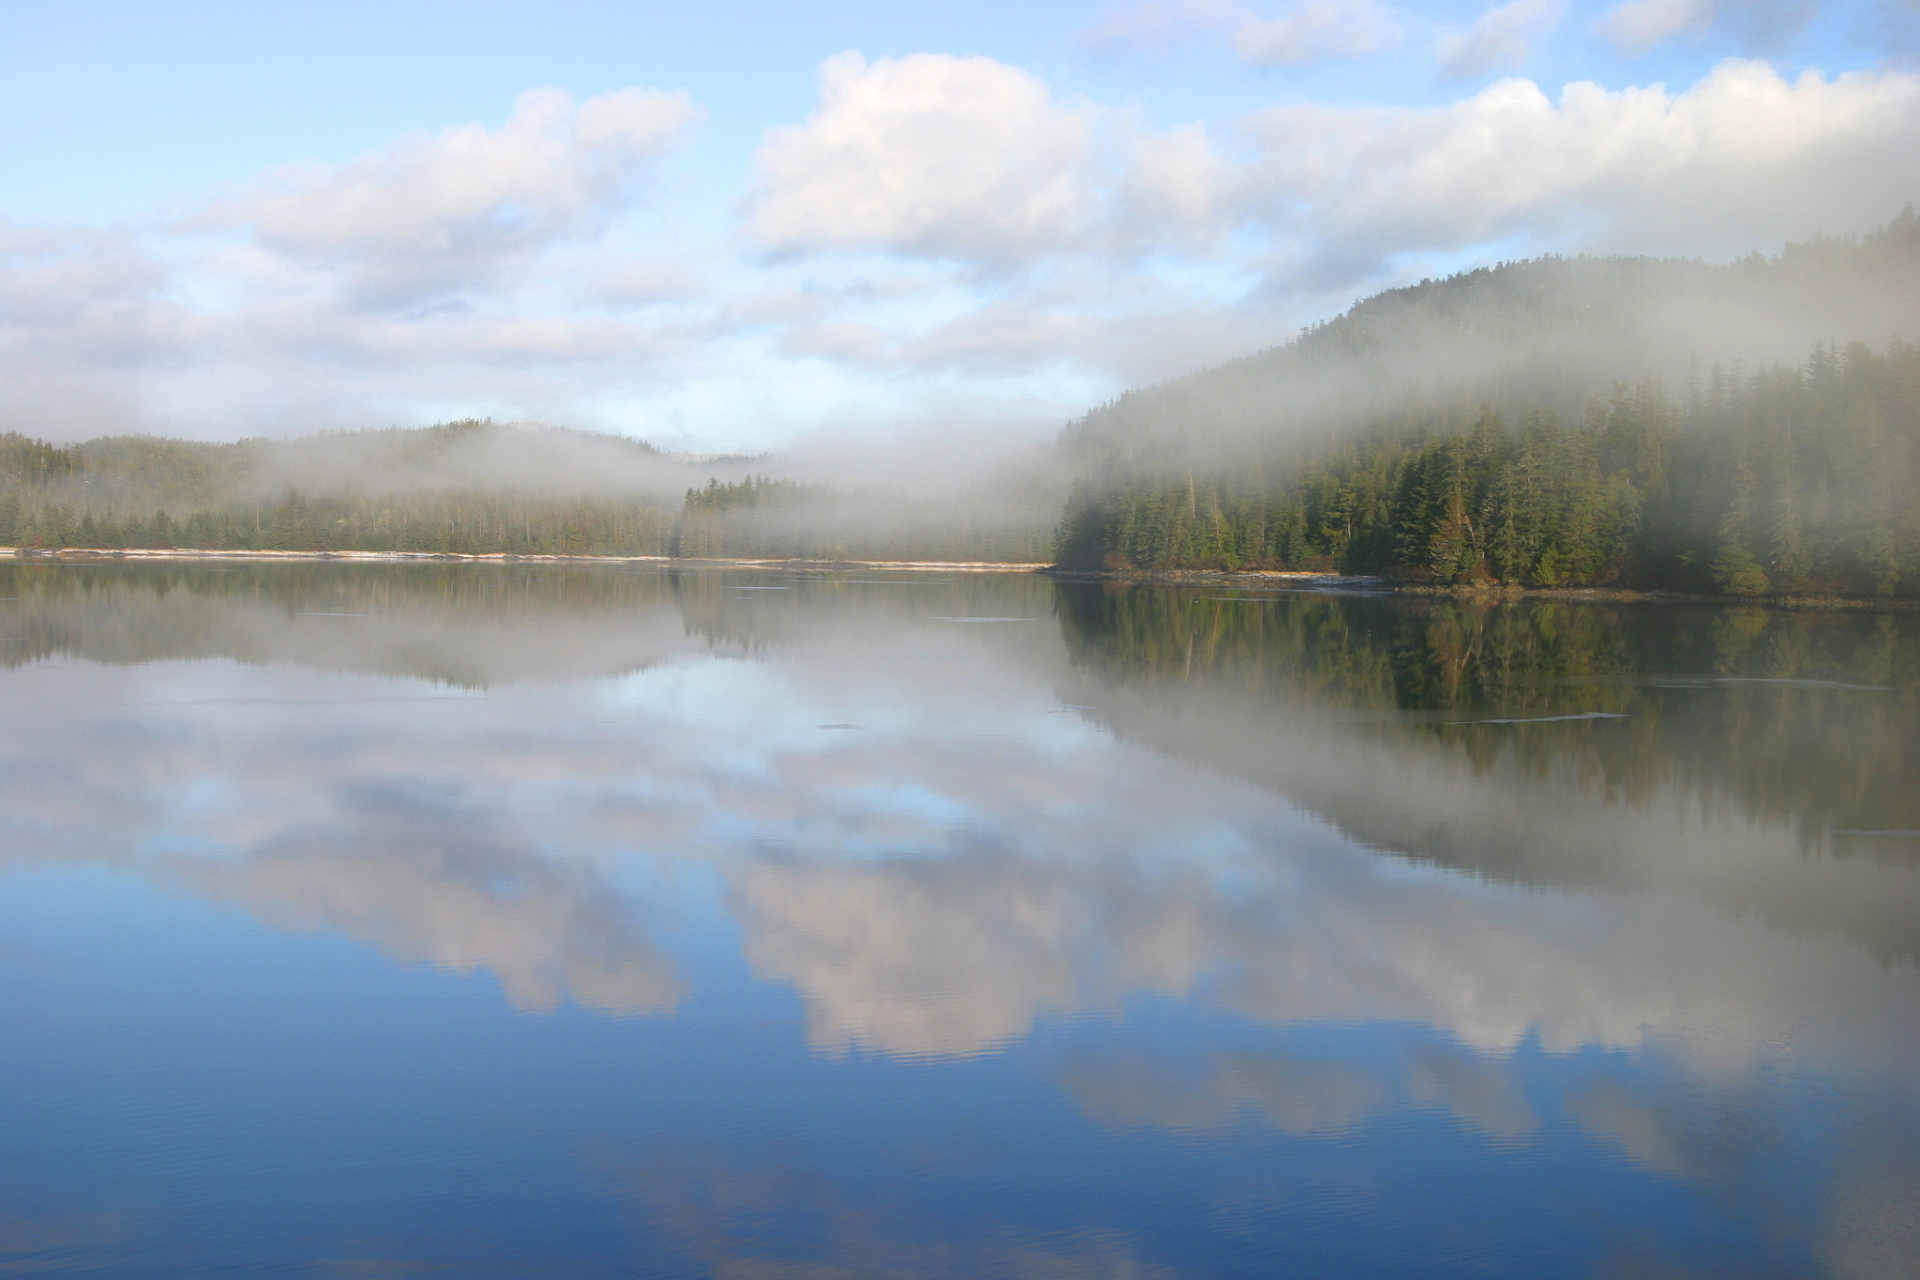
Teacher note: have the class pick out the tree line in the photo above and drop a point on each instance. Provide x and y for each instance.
(755, 518)
(474, 523)
(1749, 482)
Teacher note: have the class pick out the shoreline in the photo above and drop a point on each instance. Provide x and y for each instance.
(1318, 580)
(1487, 594)
(90, 555)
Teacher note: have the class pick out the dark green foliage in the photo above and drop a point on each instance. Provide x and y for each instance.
(1779, 480)
(34, 462)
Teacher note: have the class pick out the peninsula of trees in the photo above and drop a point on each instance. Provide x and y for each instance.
(1548, 423)
(1782, 479)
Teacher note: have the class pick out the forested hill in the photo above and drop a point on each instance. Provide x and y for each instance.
(459, 486)
(474, 487)
(1749, 428)
(144, 473)
(1547, 332)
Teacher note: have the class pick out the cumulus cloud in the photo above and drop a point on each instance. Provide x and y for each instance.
(397, 287)
(430, 212)
(53, 276)
(929, 155)
(973, 161)
(1503, 38)
(85, 314)
(1154, 25)
(1742, 157)
(73, 297)
(1316, 31)
(1637, 26)
(1174, 188)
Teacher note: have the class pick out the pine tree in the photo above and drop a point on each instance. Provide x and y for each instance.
(1735, 570)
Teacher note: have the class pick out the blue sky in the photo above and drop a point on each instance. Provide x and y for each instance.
(735, 226)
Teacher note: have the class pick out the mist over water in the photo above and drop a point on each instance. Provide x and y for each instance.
(496, 920)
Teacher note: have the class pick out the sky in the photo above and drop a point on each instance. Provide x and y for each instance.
(738, 226)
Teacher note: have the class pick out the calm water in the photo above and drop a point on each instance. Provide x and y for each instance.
(470, 921)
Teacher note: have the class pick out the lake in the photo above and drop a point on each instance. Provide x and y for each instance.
(495, 920)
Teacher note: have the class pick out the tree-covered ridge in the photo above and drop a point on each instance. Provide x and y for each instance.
(474, 487)
(1553, 422)
(755, 518)
(1777, 480)
(445, 523)
(1545, 332)
(26, 462)
(143, 474)
(151, 472)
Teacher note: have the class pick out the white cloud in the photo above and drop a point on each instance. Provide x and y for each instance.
(1742, 158)
(1503, 37)
(393, 288)
(973, 161)
(1173, 188)
(1317, 31)
(433, 212)
(1154, 25)
(929, 155)
(1636, 26)
(98, 299)
(85, 316)
(646, 282)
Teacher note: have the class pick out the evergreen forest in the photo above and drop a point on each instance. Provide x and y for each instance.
(1748, 483)
(1545, 424)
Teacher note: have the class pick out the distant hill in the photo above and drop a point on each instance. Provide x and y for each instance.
(459, 486)
(1563, 421)
(1548, 332)
(475, 487)
(187, 475)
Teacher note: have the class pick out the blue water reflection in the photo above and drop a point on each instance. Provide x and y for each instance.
(492, 921)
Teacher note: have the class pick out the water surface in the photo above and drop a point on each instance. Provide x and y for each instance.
(501, 921)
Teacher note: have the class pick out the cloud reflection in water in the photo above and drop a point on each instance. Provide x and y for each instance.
(911, 836)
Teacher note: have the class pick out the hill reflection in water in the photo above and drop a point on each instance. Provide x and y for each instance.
(1583, 886)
